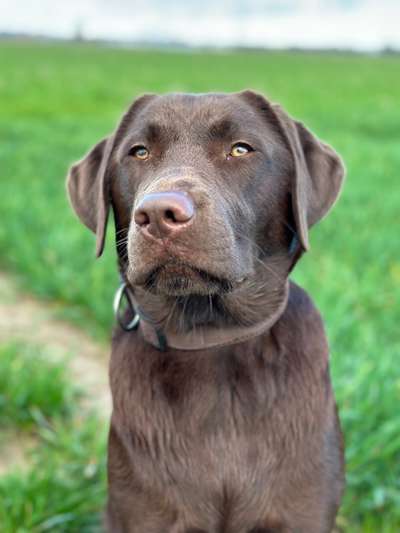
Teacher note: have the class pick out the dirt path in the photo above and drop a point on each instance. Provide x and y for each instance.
(22, 318)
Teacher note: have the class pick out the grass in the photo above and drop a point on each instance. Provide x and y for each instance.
(63, 489)
(31, 387)
(57, 101)
(61, 486)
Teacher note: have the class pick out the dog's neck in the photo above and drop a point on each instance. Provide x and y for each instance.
(208, 335)
(198, 322)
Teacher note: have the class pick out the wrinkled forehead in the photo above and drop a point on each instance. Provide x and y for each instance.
(190, 116)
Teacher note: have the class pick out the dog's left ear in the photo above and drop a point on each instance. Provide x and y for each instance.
(318, 178)
(88, 190)
(318, 170)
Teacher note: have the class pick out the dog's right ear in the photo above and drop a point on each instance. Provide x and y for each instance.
(88, 189)
(88, 181)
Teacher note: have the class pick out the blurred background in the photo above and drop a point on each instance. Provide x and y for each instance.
(67, 72)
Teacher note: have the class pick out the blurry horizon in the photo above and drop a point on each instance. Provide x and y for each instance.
(360, 25)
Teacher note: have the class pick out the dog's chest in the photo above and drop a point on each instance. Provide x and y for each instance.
(203, 423)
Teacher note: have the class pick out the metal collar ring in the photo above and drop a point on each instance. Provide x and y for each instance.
(122, 292)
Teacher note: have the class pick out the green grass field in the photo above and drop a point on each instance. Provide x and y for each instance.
(62, 487)
(57, 101)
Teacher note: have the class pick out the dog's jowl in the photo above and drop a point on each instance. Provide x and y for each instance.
(224, 419)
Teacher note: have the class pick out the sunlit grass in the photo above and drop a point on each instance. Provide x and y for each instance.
(60, 485)
(32, 387)
(63, 488)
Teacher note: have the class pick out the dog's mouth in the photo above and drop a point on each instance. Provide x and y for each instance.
(176, 278)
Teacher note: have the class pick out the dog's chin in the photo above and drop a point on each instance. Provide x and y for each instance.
(179, 279)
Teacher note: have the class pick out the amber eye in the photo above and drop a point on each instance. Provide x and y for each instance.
(240, 149)
(140, 152)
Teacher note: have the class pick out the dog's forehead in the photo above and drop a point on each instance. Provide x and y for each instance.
(182, 110)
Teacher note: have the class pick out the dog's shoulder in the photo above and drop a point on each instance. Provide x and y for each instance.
(300, 304)
(301, 326)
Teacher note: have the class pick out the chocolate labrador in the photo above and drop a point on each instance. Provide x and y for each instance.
(224, 419)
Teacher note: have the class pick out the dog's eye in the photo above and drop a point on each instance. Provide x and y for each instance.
(240, 149)
(140, 152)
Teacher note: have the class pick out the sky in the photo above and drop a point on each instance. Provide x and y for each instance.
(367, 25)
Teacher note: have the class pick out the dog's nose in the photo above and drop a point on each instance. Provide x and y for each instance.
(164, 213)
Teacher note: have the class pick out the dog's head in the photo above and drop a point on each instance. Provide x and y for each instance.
(213, 195)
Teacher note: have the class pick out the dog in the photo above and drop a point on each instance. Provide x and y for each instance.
(224, 419)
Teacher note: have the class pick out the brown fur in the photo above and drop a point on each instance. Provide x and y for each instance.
(242, 438)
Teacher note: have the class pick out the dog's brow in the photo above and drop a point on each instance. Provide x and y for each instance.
(153, 131)
(222, 129)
